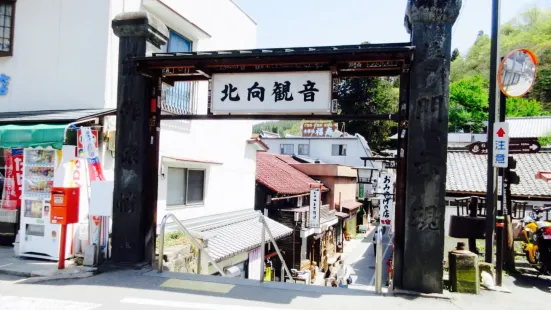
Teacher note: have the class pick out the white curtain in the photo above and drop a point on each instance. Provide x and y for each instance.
(254, 264)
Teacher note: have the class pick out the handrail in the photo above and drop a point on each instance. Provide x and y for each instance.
(162, 244)
(267, 229)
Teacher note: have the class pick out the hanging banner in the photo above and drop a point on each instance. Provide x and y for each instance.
(315, 203)
(386, 182)
(13, 179)
(87, 143)
(95, 170)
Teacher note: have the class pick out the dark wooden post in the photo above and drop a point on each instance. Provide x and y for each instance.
(430, 25)
(135, 193)
(473, 212)
(400, 212)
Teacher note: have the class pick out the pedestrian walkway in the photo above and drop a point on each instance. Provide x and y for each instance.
(29, 267)
(362, 261)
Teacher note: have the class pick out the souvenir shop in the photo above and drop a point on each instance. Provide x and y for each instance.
(33, 160)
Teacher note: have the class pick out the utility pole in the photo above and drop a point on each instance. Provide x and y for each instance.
(492, 115)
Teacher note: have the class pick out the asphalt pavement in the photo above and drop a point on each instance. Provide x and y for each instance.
(139, 289)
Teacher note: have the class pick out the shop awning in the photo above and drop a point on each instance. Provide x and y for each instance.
(22, 136)
(351, 205)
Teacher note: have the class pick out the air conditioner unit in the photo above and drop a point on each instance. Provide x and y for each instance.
(233, 272)
(112, 138)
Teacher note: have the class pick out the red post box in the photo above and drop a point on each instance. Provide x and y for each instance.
(64, 210)
(64, 204)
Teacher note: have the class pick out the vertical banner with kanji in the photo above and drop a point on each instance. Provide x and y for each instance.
(13, 179)
(386, 186)
(315, 203)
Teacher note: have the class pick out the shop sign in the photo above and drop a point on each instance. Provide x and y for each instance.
(87, 142)
(272, 93)
(13, 179)
(319, 128)
(387, 209)
(315, 202)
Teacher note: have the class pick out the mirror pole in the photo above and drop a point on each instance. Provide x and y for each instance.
(493, 113)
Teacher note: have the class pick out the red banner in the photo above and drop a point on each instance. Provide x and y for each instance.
(95, 170)
(11, 195)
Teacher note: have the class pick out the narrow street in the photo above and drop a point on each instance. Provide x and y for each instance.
(362, 261)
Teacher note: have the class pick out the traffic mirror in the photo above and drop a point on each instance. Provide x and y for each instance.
(517, 73)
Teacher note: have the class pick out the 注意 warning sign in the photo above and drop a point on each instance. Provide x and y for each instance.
(501, 145)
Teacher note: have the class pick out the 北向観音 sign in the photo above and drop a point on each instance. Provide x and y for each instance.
(271, 93)
(315, 203)
(386, 186)
(501, 145)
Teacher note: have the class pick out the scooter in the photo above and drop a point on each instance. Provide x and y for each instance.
(537, 234)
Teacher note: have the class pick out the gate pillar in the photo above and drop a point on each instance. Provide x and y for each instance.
(430, 24)
(135, 193)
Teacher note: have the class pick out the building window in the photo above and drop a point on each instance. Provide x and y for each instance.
(287, 149)
(185, 186)
(338, 150)
(303, 149)
(7, 14)
(178, 44)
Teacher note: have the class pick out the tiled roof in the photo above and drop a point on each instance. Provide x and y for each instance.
(529, 127)
(274, 172)
(240, 234)
(467, 174)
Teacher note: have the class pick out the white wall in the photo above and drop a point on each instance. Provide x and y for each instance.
(60, 51)
(229, 185)
(230, 182)
(321, 148)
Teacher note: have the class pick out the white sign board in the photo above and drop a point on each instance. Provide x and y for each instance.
(501, 145)
(271, 93)
(315, 203)
(101, 198)
(386, 183)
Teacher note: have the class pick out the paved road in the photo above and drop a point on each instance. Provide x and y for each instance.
(131, 289)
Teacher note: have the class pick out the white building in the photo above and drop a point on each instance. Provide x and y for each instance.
(61, 60)
(346, 150)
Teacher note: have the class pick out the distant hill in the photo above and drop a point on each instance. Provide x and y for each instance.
(281, 127)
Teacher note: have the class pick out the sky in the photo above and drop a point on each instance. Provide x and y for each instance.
(295, 23)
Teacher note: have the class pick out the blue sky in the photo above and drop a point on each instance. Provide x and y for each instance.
(293, 23)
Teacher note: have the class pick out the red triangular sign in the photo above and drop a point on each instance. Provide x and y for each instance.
(500, 132)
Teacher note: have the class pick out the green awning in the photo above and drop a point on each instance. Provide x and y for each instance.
(21, 136)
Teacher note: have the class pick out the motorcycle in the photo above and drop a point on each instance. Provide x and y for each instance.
(537, 234)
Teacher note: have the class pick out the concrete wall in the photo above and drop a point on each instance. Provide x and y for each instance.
(320, 148)
(59, 56)
(66, 57)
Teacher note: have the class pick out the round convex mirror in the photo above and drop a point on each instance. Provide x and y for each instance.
(517, 73)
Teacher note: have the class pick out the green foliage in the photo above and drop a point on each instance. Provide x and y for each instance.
(469, 105)
(364, 96)
(532, 30)
(281, 127)
(546, 140)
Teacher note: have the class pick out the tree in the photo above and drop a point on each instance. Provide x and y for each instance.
(364, 96)
(469, 105)
(532, 30)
